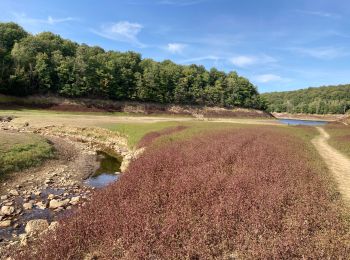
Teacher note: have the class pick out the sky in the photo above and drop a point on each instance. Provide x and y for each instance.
(277, 44)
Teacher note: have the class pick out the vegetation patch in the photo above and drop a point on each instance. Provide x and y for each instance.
(19, 151)
(150, 137)
(251, 194)
(339, 137)
(136, 131)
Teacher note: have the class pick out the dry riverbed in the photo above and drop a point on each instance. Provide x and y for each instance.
(33, 200)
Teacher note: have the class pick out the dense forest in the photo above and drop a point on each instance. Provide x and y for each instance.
(322, 100)
(48, 64)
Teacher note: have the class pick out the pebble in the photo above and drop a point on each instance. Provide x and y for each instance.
(7, 210)
(4, 197)
(75, 200)
(41, 205)
(5, 223)
(36, 226)
(27, 206)
(54, 204)
(14, 192)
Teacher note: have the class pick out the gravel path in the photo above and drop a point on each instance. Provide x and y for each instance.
(338, 163)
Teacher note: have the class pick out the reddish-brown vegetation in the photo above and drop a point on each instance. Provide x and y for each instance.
(151, 136)
(250, 194)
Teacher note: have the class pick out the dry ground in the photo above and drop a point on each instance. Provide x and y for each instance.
(338, 164)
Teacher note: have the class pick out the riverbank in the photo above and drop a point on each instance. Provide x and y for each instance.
(328, 117)
(40, 196)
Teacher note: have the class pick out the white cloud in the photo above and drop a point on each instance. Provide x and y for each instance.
(176, 47)
(202, 58)
(243, 61)
(265, 78)
(180, 2)
(123, 31)
(23, 19)
(322, 52)
(246, 61)
(319, 13)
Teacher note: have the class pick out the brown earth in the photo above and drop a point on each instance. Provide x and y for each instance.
(338, 163)
(98, 105)
(328, 117)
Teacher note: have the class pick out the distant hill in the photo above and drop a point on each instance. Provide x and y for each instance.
(321, 100)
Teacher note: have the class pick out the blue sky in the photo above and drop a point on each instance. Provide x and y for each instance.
(277, 44)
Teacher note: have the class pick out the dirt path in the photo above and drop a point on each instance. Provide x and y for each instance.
(338, 163)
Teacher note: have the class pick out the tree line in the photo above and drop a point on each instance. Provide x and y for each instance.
(46, 63)
(322, 100)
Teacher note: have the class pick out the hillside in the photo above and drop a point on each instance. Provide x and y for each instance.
(46, 63)
(321, 100)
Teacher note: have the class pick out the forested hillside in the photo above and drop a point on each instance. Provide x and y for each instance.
(46, 63)
(322, 100)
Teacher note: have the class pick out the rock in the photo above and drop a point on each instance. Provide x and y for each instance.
(23, 239)
(27, 206)
(7, 210)
(5, 223)
(54, 204)
(14, 192)
(48, 181)
(75, 200)
(36, 226)
(37, 193)
(53, 225)
(4, 197)
(51, 196)
(41, 205)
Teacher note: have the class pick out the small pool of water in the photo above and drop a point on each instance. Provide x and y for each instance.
(301, 122)
(106, 173)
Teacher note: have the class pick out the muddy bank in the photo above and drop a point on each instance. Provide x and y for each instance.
(327, 117)
(97, 105)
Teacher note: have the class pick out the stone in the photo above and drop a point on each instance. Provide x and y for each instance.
(51, 196)
(36, 226)
(54, 204)
(14, 192)
(27, 206)
(37, 193)
(53, 225)
(4, 197)
(7, 210)
(41, 205)
(5, 223)
(75, 200)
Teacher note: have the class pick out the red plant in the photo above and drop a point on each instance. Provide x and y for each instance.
(250, 194)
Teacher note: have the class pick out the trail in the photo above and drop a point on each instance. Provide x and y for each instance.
(338, 163)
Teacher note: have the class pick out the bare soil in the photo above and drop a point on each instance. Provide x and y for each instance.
(338, 163)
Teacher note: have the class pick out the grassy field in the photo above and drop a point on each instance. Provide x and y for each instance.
(19, 151)
(245, 192)
(340, 137)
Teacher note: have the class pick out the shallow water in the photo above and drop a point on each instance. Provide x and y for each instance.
(302, 122)
(106, 173)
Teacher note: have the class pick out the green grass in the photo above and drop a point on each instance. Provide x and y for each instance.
(135, 131)
(19, 151)
(340, 137)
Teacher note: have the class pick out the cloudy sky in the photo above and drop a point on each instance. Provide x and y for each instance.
(277, 44)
